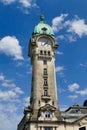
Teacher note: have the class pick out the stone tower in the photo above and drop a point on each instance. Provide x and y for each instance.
(43, 101)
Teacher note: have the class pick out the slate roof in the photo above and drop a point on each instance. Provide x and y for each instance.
(74, 112)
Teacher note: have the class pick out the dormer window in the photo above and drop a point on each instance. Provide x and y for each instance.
(47, 114)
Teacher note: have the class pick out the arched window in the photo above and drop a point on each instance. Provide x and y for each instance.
(49, 53)
(44, 52)
(47, 114)
(41, 52)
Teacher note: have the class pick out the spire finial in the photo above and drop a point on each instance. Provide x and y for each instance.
(41, 17)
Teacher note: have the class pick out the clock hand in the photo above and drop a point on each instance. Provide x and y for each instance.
(46, 42)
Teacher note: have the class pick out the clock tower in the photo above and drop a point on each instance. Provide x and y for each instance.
(43, 111)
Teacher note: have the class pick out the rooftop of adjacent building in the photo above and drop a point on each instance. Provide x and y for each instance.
(75, 112)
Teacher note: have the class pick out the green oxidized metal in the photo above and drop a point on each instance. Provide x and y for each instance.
(43, 28)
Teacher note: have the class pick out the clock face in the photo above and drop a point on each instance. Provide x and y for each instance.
(44, 42)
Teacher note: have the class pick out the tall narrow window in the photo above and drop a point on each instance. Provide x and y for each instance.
(41, 52)
(45, 92)
(45, 71)
(39, 102)
(44, 52)
(45, 62)
(45, 82)
(49, 53)
(52, 102)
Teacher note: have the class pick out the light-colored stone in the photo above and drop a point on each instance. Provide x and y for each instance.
(43, 111)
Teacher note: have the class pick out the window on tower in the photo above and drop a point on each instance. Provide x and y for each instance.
(39, 102)
(49, 53)
(46, 101)
(45, 62)
(41, 52)
(45, 82)
(45, 71)
(45, 92)
(47, 128)
(52, 102)
(44, 52)
(82, 128)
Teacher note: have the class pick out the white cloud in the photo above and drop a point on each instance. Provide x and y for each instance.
(6, 84)
(26, 3)
(72, 28)
(10, 90)
(57, 22)
(59, 68)
(7, 2)
(12, 101)
(1, 77)
(83, 65)
(26, 101)
(9, 117)
(59, 52)
(82, 92)
(61, 90)
(67, 36)
(30, 70)
(61, 37)
(20, 75)
(18, 90)
(9, 45)
(63, 107)
(7, 95)
(19, 64)
(77, 26)
(23, 5)
(10, 107)
(11, 94)
(73, 87)
(9, 122)
(73, 97)
(71, 37)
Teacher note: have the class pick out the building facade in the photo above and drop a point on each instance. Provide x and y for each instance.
(43, 112)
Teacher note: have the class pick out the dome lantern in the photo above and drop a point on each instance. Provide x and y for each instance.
(41, 17)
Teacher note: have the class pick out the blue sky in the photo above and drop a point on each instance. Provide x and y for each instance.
(17, 21)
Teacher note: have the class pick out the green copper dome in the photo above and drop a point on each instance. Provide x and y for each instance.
(43, 28)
